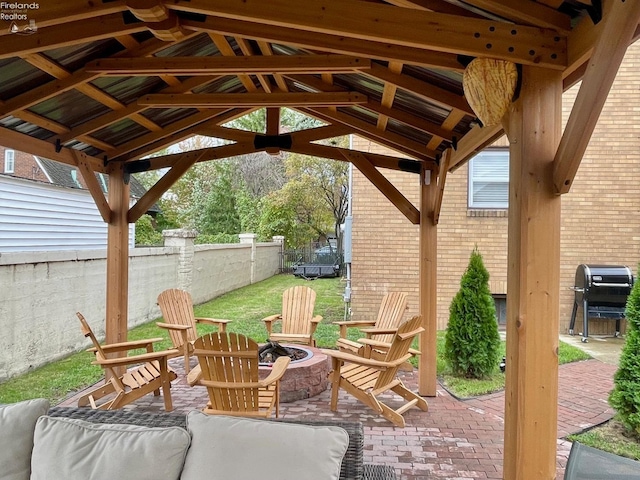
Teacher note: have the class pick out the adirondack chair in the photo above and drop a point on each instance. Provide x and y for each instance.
(177, 309)
(229, 365)
(298, 322)
(381, 329)
(367, 378)
(150, 375)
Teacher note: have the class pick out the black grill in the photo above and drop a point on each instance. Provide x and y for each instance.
(602, 291)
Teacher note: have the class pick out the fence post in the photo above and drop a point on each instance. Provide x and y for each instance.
(252, 239)
(184, 240)
(280, 239)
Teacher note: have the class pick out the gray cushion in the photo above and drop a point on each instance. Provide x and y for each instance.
(246, 449)
(70, 449)
(17, 423)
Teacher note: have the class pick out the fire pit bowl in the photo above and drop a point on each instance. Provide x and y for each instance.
(304, 378)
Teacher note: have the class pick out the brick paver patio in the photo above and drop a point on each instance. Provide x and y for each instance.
(456, 439)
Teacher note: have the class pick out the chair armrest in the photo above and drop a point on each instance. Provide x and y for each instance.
(352, 324)
(124, 346)
(348, 343)
(355, 323)
(277, 371)
(378, 331)
(384, 345)
(367, 362)
(144, 357)
(212, 321)
(268, 322)
(316, 319)
(171, 326)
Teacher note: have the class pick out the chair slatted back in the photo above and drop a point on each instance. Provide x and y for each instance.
(390, 313)
(233, 359)
(177, 308)
(87, 332)
(400, 345)
(297, 309)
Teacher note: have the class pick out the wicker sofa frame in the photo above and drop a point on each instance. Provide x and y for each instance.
(353, 467)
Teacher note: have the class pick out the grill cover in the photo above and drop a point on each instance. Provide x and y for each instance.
(602, 291)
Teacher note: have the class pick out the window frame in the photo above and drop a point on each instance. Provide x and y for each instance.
(9, 161)
(475, 204)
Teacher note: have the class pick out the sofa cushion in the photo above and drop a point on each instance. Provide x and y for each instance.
(69, 449)
(245, 449)
(17, 424)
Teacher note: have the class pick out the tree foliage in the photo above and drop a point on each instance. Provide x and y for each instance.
(625, 396)
(472, 341)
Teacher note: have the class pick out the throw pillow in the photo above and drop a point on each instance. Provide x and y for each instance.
(17, 423)
(245, 449)
(72, 449)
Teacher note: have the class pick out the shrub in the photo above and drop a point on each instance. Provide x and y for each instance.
(625, 396)
(472, 341)
(145, 232)
(217, 238)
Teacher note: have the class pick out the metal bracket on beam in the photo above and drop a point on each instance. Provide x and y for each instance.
(272, 141)
(409, 166)
(58, 145)
(137, 166)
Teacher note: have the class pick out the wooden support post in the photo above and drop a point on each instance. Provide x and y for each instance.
(117, 256)
(534, 129)
(428, 283)
(273, 127)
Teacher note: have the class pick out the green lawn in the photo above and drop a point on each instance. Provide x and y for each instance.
(246, 307)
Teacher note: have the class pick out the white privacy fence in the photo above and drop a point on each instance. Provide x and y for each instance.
(41, 291)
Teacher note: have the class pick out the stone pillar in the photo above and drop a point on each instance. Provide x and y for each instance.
(184, 240)
(252, 239)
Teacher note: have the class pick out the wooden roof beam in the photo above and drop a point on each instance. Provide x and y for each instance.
(130, 110)
(397, 26)
(93, 186)
(380, 161)
(247, 51)
(25, 143)
(74, 33)
(619, 27)
(472, 143)
(56, 87)
(202, 155)
(365, 129)
(151, 196)
(411, 120)
(267, 51)
(152, 137)
(148, 10)
(527, 12)
(246, 65)
(424, 90)
(327, 43)
(177, 134)
(385, 186)
(442, 179)
(230, 100)
(440, 6)
(227, 50)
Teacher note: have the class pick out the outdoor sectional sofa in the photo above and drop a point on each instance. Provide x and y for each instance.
(78, 443)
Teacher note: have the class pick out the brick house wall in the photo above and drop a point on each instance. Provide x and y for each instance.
(25, 166)
(600, 217)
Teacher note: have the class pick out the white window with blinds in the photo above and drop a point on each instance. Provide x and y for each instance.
(9, 161)
(489, 180)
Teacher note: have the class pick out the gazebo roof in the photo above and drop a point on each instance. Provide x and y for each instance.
(117, 80)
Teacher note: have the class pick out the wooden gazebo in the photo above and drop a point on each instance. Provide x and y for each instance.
(100, 84)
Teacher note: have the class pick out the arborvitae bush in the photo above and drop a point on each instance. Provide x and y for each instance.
(625, 396)
(472, 342)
